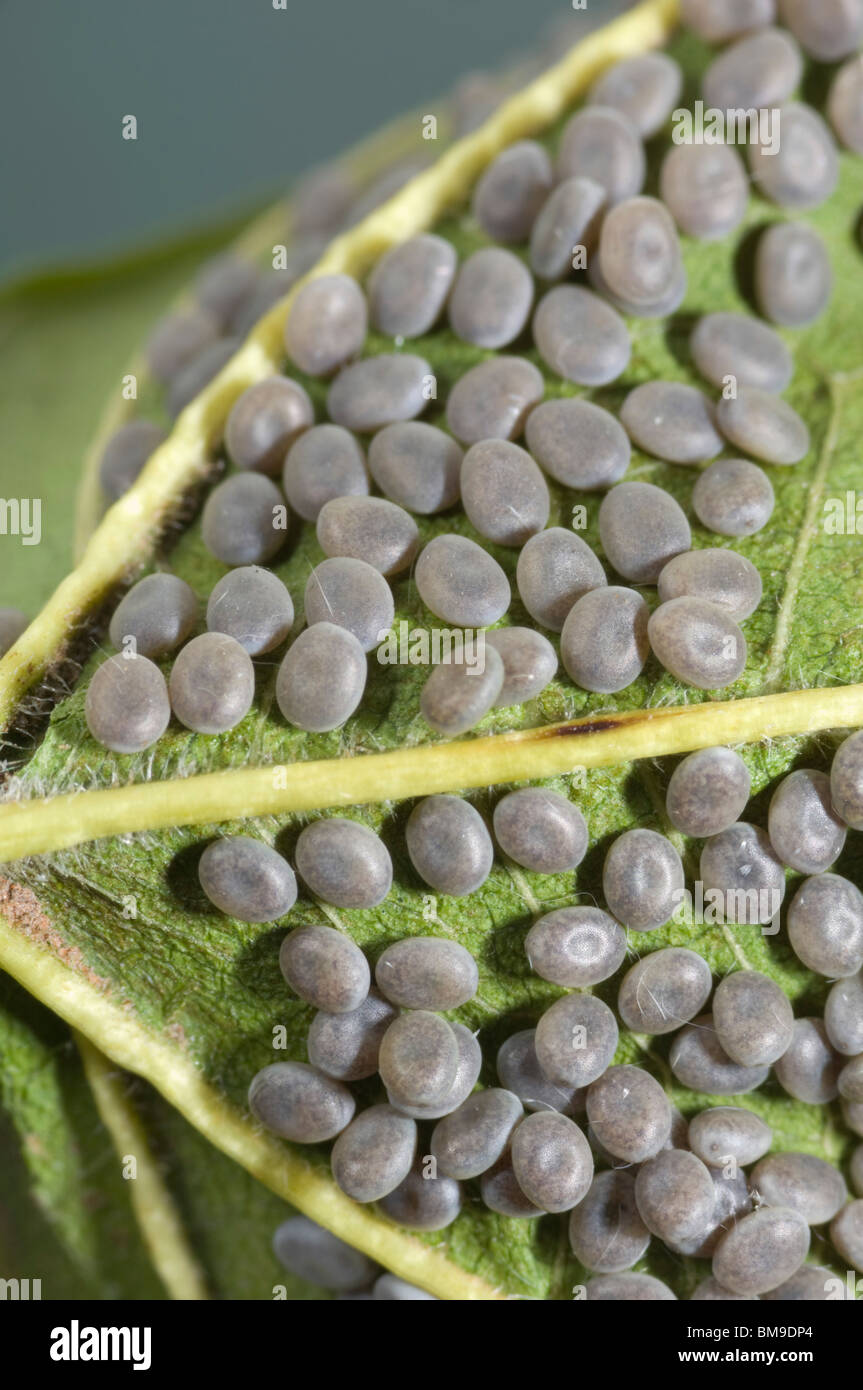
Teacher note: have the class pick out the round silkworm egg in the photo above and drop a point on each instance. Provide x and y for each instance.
(707, 791)
(570, 218)
(606, 1232)
(519, 1070)
(556, 568)
(828, 30)
(467, 1071)
(264, 422)
(298, 1102)
(177, 340)
(733, 497)
(697, 642)
(389, 1288)
(552, 1161)
(738, 866)
(418, 1058)
(461, 583)
(126, 453)
(529, 663)
(801, 171)
(642, 879)
(809, 1185)
(427, 972)
(809, 1068)
(243, 521)
(599, 143)
(664, 990)
(253, 606)
(759, 70)
(492, 400)
(247, 879)
(752, 1017)
(575, 1040)
(761, 1251)
(721, 577)
(198, 373)
(409, 286)
(575, 946)
(846, 1233)
(639, 252)
(675, 1196)
(326, 324)
(629, 1288)
(378, 391)
(369, 529)
(699, 1061)
(344, 863)
(705, 189)
(578, 443)
(501, 1193)
(374, 1153)
(417, 466)
(725, 1133)
(804, 829)
(715, 21)
(503, 492)
(645, 89)
(456, 697)
(845, 104)
(468, 1142)
(604, 642)
(825, 925)
(793, 274)
(325, 968)
(857, 1170)
(422, 1202)
(851, 1079)
(671, 421)
(512, 190)
(346, 1045)
(543, 831)
(307, 692)
(325, 462)
(310, 1252)
(212, 684)
(733, 345)
(843, 1015)
(352, 595)
(629, 1113)
(491, 298)
(846, 781)
(157, 614)
(449, 845)
(126, 706)
(641, 528)
(580, 337)
(224, 285)
(12, 624)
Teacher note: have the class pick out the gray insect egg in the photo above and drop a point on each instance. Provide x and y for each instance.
(575, 946)
(423, 1203)
(804, 170)
(642, 879)
(707, 791)
(352, 595)
(759, 70)
(639, 253)
(159, 612)
(449, 845)
(606, 1232)
(645, 89)
(529, 663)
(734, 345)
(306, 692)
(727, 1133)
(468, 1142)
(804, 829)
(212, 684)
(809, 1185)
(599, 143)
(570, 218)
(501, 1193)
(827, 30)
(825, 925)
(512, 190)
(733, 497)
(580, 337)
(417, 466)
(664, 990)
(427, 972)
(846, 781)
(761, 1251)
(243, 520)
(674, 1195)
(731, 1200)
(503, 492)
(845, 104)
(700, 1062)
(543, 831)
(721, 577)
(374, 1153)
(325, 968)
(12, 624)
(409, 285)
(224, 285)
(253, 606)
(461, 583)
(629, 1113)
(810, 1284)
(313, 1253)
(846, 1233)
(325, 462)
(247, 879)
(843, 1015)
(705, 189)
(369, 529)
(753, 1019)
(556, 568)
(125, 454)
(326, 324)
(264, 422)
(671, 421)
(493, 399)
(711, 1291)
(641, 528)
(389, 1288)
(578, 443)
(126, 706)
(455, 698)
(738, 865)
(298, 1102)
(346, 1045)
(177, 340)
(418, 1059)
(793, 274)
(698, 642)
(468, 1067)
(852, 1114)
(809, 1068)
(552, 1161)
(715, 21)
(857, 1170)
(629, 1288)
(520, 1072)
(604, 642)
(198, 373)
(344, 863)
(851, 1079)
(378, 391)
(575, 1040)
(491, 298)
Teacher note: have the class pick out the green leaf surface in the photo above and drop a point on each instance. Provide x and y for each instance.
(135, 912)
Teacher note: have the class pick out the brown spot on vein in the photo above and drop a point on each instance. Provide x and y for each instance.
(594, 726)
